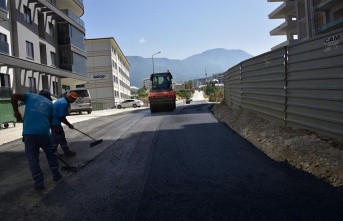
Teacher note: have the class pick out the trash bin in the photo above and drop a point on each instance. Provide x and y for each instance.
(6, 110)
(6, 113)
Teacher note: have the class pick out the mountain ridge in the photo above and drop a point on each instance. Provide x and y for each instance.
(209, 62)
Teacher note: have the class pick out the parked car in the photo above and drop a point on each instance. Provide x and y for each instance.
(188, 100)
(82, 103)
(130, 103)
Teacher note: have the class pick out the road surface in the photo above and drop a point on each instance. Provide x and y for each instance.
(181, 165)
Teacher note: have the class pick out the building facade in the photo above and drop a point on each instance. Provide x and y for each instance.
(305, 19)
(109, 76)
(42, 45)
(178, 86)
(147, 83)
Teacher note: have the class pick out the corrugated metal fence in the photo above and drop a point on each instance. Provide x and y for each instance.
(300, 86)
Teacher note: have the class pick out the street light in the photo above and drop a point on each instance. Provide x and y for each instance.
(152, 58)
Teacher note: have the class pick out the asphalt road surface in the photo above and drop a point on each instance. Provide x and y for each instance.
(181, 165)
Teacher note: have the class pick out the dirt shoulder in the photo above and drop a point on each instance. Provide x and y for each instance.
(300, 148)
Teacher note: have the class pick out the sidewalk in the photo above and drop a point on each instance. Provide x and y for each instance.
(13, 133)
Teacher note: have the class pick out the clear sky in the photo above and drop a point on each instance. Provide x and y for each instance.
(182, 28)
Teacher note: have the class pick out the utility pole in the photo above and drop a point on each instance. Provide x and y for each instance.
(152, 58)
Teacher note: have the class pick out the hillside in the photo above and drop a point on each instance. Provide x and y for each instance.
(194, 67)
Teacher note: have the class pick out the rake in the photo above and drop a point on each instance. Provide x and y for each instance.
(67, 166)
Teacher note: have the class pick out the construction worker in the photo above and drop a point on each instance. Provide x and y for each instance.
(165, 83)
(36, 133)
(61, 110)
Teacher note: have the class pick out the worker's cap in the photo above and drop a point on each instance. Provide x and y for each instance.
(46, 93)
(73, 95)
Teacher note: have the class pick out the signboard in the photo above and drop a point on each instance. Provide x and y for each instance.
(332, 41)
(94, 77)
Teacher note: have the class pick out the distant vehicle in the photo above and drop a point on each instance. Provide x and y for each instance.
(188, 100)
(130, 103)
(82, 103)
(161, 95)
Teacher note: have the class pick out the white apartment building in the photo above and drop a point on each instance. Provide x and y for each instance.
(178, 86)
(147, 83)
(108, 69)
(42, 45)
(304, 19)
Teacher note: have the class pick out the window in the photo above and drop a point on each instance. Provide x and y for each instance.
(32, 85)
(4, 80)
(337, 14)
(113, 50)
(3, 5)
(79, 64)
(65, 87)
(80, 86)
(114, 64)
(27, 15)
(29, 50)
(77, 38)
(4, 48)
(53, 58)
(51, 29)
(55, 87)
(3, 37)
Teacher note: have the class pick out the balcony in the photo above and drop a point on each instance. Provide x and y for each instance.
(70, 41)
(331, 26)
(4, 48)
(74, 17)
(323, 5)
(3, 11)
(76, 69)
(59, 15)
(14, 62)
(76, 6)
(283, 11)
(285, 28)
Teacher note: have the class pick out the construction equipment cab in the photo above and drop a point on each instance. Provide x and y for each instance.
(161, 95)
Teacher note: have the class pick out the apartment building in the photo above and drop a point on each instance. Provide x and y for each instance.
(109, 76)
(147, 83)
(305, 19)
(178, 86)
(42, 45)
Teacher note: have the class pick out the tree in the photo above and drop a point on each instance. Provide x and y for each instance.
(214, 93)
(189, 84)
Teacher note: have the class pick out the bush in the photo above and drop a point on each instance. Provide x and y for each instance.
(216, 96)
(183, 93)
(214, 93)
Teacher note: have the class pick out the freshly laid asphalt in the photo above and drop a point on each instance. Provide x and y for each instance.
(183, 165)
(16, 186)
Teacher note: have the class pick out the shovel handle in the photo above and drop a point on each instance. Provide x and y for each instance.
(84, 133)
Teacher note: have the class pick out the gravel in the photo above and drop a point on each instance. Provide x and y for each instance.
(303, 149)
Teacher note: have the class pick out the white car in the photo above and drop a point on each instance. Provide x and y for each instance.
(130, 103)
(82, 103)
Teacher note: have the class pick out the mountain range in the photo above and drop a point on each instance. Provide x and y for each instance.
(209, 62)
